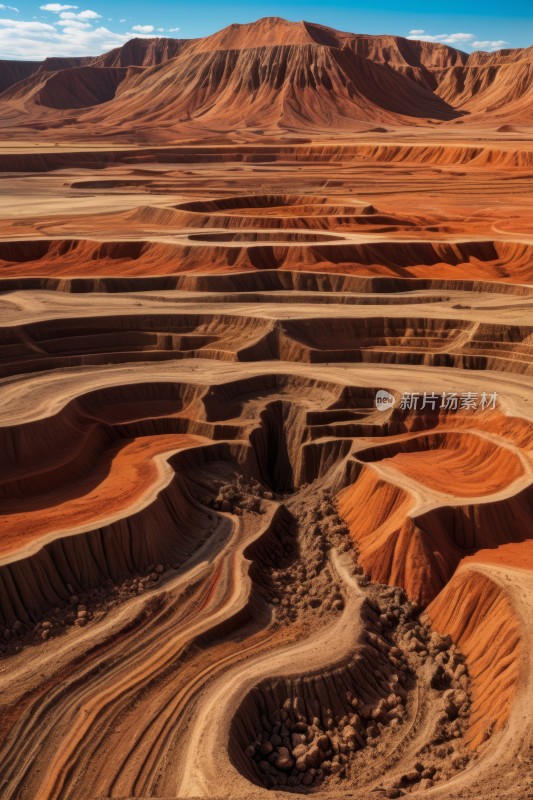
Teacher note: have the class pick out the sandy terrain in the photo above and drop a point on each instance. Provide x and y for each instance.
(224, 572)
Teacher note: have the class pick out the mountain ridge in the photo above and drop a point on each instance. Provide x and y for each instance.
(293, 76)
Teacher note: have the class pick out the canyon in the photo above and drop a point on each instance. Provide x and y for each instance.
(225, 570)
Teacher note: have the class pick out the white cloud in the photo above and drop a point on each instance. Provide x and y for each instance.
(57, 7)
(465, 39)
(38, 40)
(445, 38)
(9, 8)
(16, 25)
(173, 30)
(416, 31)
(74, 23)
(88, 14)
(123, 20)
(143, 28)
(497, 44)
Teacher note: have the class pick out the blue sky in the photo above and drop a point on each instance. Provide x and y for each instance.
(33, 30)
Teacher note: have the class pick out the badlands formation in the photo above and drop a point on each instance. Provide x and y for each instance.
(224, 571)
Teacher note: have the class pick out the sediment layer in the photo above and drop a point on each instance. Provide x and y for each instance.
(223, 569)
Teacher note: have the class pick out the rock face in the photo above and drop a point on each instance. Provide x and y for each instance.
(266, 438)
(295, 86)
(141, 53)
(12, 72)
(70, 83)
(295, 76)
(82, 87)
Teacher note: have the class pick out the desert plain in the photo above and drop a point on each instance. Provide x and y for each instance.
(224, 571)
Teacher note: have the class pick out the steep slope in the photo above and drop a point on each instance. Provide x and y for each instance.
(269, 32)
(11, 72)
(202, 505)
(500, 84)
(135, 53)
(14, 72)
(476, 83)
(68, 88)
(298, 85)
(419, 61)
(141, 53)
(477, 612)
(55, 63)
(295, 76)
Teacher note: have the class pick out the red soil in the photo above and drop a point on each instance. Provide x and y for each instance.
(457, 464)
(124, 473)
(478, 614)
